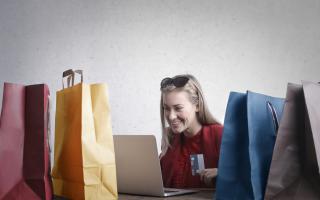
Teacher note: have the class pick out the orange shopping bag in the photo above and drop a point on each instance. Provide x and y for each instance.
(84, 162)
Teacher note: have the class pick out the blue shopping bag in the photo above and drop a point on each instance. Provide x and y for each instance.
(249, 134)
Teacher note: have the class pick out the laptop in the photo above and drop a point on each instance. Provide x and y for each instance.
(138, 167)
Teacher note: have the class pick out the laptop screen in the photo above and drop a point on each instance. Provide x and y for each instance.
(138, 165)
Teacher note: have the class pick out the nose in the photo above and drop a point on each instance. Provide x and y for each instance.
(172, 115)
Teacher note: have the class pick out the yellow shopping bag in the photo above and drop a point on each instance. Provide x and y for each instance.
(84, 161)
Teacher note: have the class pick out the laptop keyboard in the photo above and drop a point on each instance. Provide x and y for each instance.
(168, 190)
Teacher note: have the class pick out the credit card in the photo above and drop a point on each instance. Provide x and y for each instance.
(197, 163)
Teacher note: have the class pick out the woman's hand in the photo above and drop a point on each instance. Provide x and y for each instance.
(207, 175)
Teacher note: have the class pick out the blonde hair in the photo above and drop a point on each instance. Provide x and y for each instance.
(196, 97)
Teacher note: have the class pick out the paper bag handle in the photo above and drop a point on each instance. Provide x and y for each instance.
(70, 74)
(274, 115)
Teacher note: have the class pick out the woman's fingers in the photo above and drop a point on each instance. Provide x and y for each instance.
(202, 174)
(206, 175)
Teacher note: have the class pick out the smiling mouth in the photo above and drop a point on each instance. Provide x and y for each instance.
(175, 124)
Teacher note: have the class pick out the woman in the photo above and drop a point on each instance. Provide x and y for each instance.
(191, 130)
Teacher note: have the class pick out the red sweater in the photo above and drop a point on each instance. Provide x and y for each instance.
(176, 165)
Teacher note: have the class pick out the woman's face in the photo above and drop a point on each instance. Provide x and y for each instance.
(180, 113)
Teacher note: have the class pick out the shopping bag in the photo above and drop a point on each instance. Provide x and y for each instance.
(294, 171)
(84, 162)
(36, 158)
(250, 127)
(24, 150)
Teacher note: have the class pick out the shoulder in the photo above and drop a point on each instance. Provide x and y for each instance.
(213, 128)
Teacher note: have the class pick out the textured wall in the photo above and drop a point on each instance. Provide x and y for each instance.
(132, 45)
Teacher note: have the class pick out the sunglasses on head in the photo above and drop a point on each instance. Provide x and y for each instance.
(179, 81)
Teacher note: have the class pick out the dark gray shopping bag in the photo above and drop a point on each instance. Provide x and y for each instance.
(294, 171)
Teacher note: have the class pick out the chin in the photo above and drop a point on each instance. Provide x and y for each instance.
(177, 130)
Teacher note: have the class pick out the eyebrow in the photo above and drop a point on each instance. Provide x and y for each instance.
(173, 105)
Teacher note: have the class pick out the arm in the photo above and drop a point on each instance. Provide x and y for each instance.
(208, 175)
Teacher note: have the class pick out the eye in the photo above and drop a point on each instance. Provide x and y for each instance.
(166, 108)
(179, 108)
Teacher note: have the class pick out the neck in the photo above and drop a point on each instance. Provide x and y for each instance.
(192, 131)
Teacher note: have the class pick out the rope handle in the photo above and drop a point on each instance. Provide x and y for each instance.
(274, 115)
(70, 74)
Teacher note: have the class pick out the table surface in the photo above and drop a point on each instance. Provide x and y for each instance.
(201, 195)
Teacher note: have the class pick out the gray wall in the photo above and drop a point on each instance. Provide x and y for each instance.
(131, 45)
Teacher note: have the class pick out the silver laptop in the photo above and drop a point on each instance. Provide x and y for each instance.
(138, 167)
